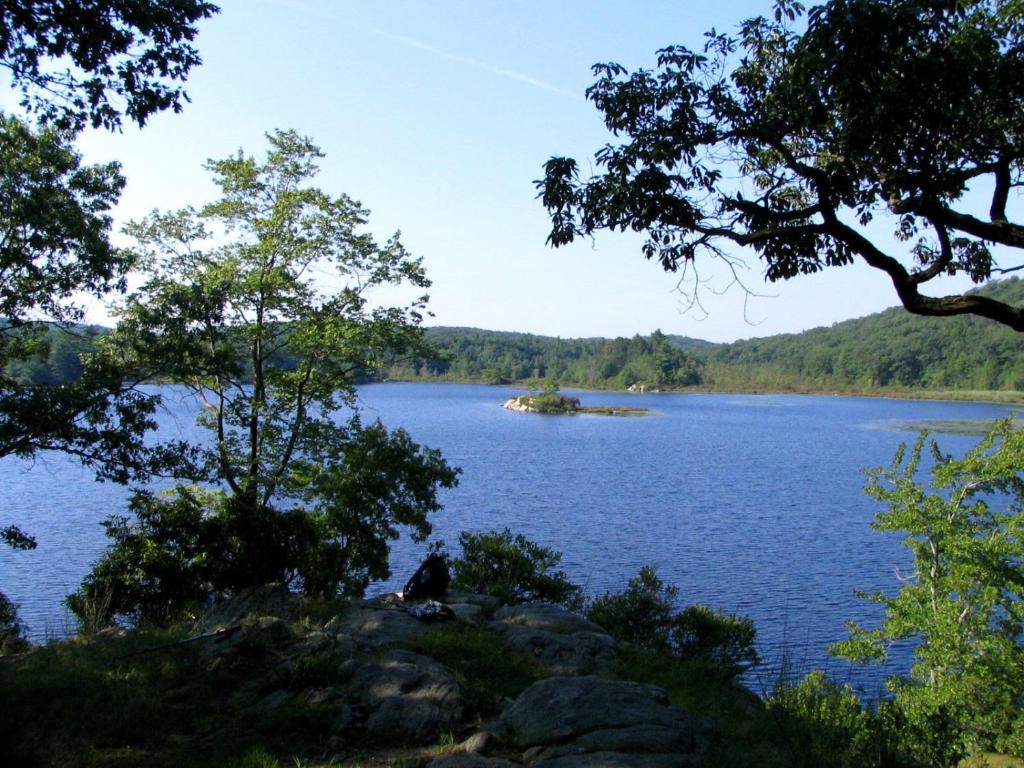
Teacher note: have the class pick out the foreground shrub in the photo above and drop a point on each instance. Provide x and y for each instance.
(700, 632)
(190, 544)
(511, 568)
(487, 673)
(823, 725)
(644, 614)
(11, 628)
(963, 605)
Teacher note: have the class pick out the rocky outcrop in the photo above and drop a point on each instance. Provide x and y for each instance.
(470, 761)
(358, 673)
(407, 696)
(561, 642)
(370, 626)
(273, 600)
(576, 721)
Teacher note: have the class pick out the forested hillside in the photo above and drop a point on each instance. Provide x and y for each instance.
(892, 349)
(889, 349)
(469, 354)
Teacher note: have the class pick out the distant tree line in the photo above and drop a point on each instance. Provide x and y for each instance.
(467, 354)
(890, 349)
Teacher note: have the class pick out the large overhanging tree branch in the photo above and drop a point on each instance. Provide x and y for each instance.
(790, 142)
(93, 62)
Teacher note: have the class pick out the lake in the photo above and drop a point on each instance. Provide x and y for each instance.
(751, 504)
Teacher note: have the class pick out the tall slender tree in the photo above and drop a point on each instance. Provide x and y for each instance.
(261, 304)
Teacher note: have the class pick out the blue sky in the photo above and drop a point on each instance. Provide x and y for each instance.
(438, 116)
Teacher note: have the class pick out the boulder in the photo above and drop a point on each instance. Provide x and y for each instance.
(323, 643)
(263, 633)
(560, 641)
(620, 760)
(271, 600)
(372, 628)
(469, 606)
(577, 721)
(407, 696)
(546, 616)
(469, 761)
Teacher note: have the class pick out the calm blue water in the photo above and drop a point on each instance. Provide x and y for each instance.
(752, 504)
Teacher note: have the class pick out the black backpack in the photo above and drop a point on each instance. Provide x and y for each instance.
(430, 580)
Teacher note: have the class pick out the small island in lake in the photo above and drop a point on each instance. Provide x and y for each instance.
(550, 401)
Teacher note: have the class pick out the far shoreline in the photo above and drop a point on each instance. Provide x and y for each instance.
(982, 397)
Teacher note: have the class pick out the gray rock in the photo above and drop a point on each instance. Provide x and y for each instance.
(487, 603)
(262, 632)
(377, 627)
(570, 721)
(334, 700)
(476, 743)
(619, 760)
(321, 697)
(273, 700)
(271, 600)
(560, 641)
(467, 611)
(323, 643)
(637, 738)
(547, 616)
(407, 696)
(465, 760)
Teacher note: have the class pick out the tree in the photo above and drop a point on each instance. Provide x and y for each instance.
(898, 110)
(644, 614)
(54, 227)
(513, 569)
(963, 604)
(261, 305)
(92, 62)
(76, 64)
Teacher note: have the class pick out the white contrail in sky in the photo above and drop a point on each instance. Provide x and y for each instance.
(510, 74)
(500, 71)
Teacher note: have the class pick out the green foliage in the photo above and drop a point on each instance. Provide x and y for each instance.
(641, 614)
(889, 349)
(823, 724)
(306, 494)
(183, 547)
(963, 604)
(511, 568)
(727, 641)
(11, 628)
(111, 58)
(644, 614)
(109, 702)
(865, 110)
(550, 402)
(492, 357)
(892, 350)
(55, 215)
(487, 674)
(86, 64)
